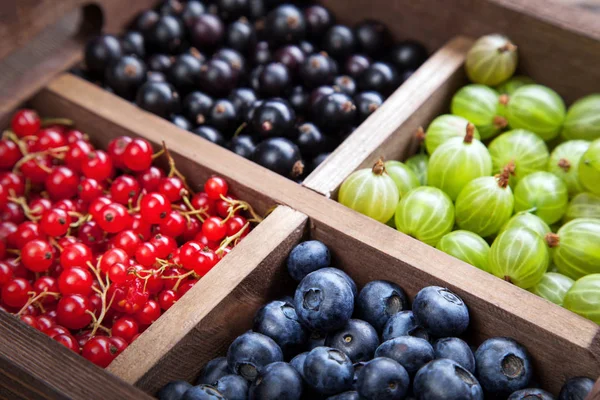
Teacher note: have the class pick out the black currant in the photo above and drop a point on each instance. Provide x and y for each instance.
(279, 155)
(209, 133)
(339, 42)
(241, 36)
(224, 117)
(249, 115)
(166, 35)
(158, 98)
(262, 53)
(125, 76)
(366, 104)
(242, 145)
(235, 60)
(257, 9)
(160, 62)
(318, 21)
(310, 140)
(171, 7)
(405, 75)
(181, 122)
(145, 20)
(100, 52)
(372, 37)
(184, 72)
(379, 77)
(273, 80)
(153, 76)
(307, 47)
(273, 118)
(132, 43)
(334, 112)
(299, 99)
(242, 99)
(408, 55)
(345, 84)
(317, 94)
(207, 32)
(217, 78)
(356, 65)
(292, 57)
(317, 70)
(285, 24)
(192, 10)
(196, 107)
(230, 10)
(318, 160)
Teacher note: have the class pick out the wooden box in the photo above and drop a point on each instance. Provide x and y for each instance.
(221, 306)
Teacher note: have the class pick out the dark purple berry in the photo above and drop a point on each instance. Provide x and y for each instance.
(132, 43)
(241, 36)
(339, 42)
(317, 70)
(345, 84)
(379, 77)
(285, 24)
(279, 155)
(224, 117)
(217, 78)
(166, 35)
(196, 107)
(102, 51)
(211, 134)
(318, 20)
(207, 32)
(125, 76)
(160, 62)
(184, 73)
(366, 104)
(408, 55)
(273, 80)
(335, 111)
(372, 37)
(292, 57)
(273, 118)
(158, 98)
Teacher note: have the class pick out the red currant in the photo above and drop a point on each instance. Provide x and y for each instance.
(214, 229)
(202, 239)
(6, 273)
(26, 232)
(3, 197)
(12, 213)
(15, 293)
(46, 284)
(9, 154)
(37, 168)
(235, 224)
(118, 273)
(96, 206)
(148, 313)
(37, 255)
(125, 327)
(186, 286)
(111, 257)
(73, 311)
(100, 350)
(154, 208)
(114, 218)
(76, 280)
(138, 155)
(150, 178)
(13, 183)
(92, 235)
(39, 206)
(127, 240)
(204, 262)
(25, 123)
(89, 189)
(30, 320)
(166, 299)
(68, 341)
(55, 222)
(200, 201)
(119, 343)
(164, 245)
(172, 188)
(215, 187)
(174, 225)
(48, 138)
(73, 135)
(62, 183)
(75, 255)
(45, 322)
(146, 254)
(97, 165)
(188, 254)
(116, 150)
(77, 154)
(56, 330)
(125, 189)
(140, 227)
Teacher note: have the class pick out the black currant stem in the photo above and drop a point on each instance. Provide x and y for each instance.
(35, 297)
(229, 239)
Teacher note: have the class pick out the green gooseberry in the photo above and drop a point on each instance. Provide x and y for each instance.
(403, 176)
(527, 220)
(480, 105)
(445, 127)
(553, 287)
(419, 163)
(589, 168)
(543, 194)
(583, 119)
(511, 85)
(584, 298)
(583, 205)
(564, 163)
(576, 247)
(466, 246)
(492, 60)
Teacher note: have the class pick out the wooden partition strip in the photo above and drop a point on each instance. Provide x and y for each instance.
(435, 78)
(33, 366)
(202, 323)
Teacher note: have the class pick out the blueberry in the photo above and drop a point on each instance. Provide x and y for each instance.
(378, 301)
(343, 275)
(357, 367)
(352, 395)
(173, 390)
(446, 379)
(329, 371)
(503, 366)
(213, 371)
(316, 339)
(298, 363)
(411, 352)
(383, 378)
(233, 387)
(250, 352)
(531, 394)
(457, 350)
(576, 389)
(358, 339)
(403, 324)
(307, 257)
(279, 321)
(203, 392)
(324, 301)
(441, 312)
(278, 380)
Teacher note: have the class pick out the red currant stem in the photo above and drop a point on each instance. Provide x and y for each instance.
(181, 278)
(242, 206)
(54, 243)
(104, 285)
(187, 202)
(229, 239)
(27, 187)
(21, 144)
(173, 169)
(81, 218)
(35, 297)
(14, 251)
(31, 156)
(29, 213)
(158, 154)
(57, 121)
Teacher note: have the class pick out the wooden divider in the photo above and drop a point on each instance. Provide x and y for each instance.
(363, 246)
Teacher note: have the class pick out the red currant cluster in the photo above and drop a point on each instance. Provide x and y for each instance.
(95, 245)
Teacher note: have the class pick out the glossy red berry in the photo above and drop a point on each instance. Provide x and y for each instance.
(3, 197)
(100, 350)
(62, 183)
(192, 228)
(172, 188)
(77, 254)
(215, 187)
(113, 256)
(188, 254)
(46, 284)
(26, 232)
(127, 240)
(186, 286)
(125, 327)
(174, 225)
(119, 343)
(204, 262)
(141, 228)
(45, 322)
(73, 310)
(92, 236)
(76, 280)
(138, 155)
(37, 168)
(97, 205)
(37, 255)
(97, 165)
(200, 201)
(125, 189)
(9, 154)
(13, 183)
(146, 254)
(150, 178)
(166, 299)
(15, 292)
(30, 320)
(148, 313)
(25, 123)
(73, 135)
(12, 213)
(48, 138)
(118, 273)
(236, 224)
(77, 154)
(154, 207)
(164, 245)
(114, 218)
(55, 222)
(56, 330)
(39, 206)
(116, 150)
(214, 229)
(68, 341)
(89, 189)
(6, 272)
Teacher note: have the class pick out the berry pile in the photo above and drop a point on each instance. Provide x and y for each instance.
(332, 341)
(535, 186)
(279, 83)
(95, 245)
